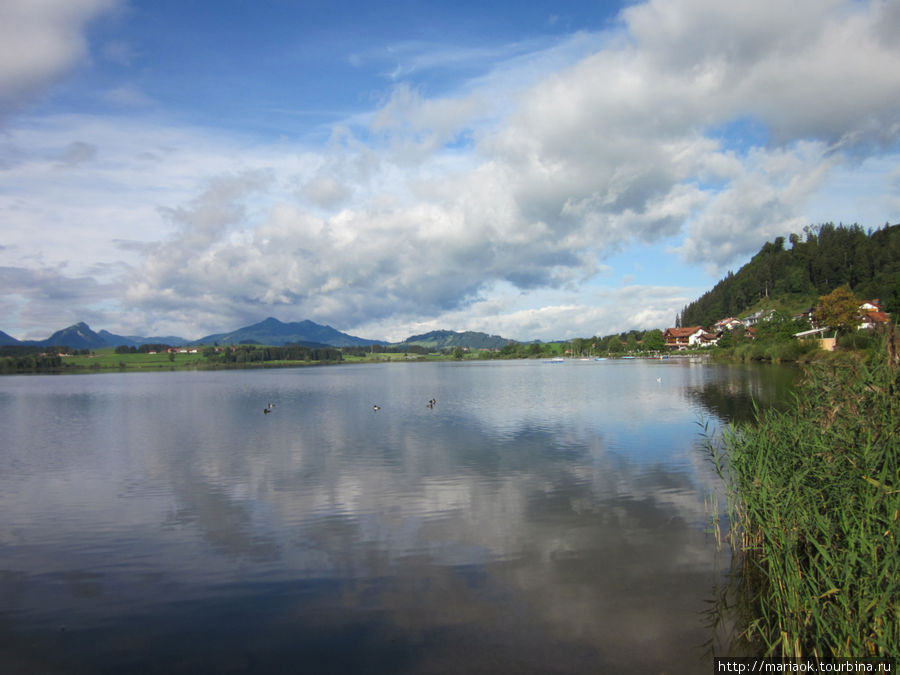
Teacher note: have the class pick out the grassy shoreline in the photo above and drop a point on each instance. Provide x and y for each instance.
(814, 500)
(106, 360)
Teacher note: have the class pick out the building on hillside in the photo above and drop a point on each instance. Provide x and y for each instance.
(761, 315)
(805, 315)
(869, 320)
(689, 336)
(730, 323)
(871, 315)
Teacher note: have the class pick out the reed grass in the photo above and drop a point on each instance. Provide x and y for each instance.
(814, 505)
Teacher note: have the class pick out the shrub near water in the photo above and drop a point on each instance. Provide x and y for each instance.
(815, 500)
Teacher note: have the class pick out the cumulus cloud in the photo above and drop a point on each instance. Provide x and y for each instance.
(40, 40)
(765, 200)
(418, 127)
(42, 296)
(614, 149)
(456, 207)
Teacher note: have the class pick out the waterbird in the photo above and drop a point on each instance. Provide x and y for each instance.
(266, 411)
(376, 407)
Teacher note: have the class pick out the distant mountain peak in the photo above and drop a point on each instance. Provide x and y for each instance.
(271, 331)
(76, 336)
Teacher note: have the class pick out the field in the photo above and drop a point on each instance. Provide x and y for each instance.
(108, 360)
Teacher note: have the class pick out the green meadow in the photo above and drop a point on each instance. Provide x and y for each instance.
(107, 359)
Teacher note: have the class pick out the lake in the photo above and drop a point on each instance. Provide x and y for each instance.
(537, 518)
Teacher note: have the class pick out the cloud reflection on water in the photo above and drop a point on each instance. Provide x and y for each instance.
(565, 529)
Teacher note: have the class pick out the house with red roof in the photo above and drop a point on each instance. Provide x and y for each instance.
(689, 336)
(872, 316)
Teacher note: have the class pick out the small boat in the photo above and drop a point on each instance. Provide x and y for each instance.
(556, 360)
(599, 358)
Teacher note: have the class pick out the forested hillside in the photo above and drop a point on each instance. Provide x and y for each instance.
(447, 339)
(815, 263)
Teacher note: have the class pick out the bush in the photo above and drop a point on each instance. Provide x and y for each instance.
(860, 339)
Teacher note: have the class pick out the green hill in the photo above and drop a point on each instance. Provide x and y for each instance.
(792, 278)
(444, 339)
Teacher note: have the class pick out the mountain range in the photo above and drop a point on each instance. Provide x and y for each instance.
(276, 333)
(267, 332)
(80, 336)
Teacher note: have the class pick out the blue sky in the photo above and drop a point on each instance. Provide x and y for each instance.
(538, 170)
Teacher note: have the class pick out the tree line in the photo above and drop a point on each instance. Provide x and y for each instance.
(386, 349)
(30, 363)
(823, 258)
(241, 354)
(145, 348)
(33, 358)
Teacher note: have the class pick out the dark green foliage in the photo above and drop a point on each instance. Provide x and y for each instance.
(653, 340)
(26, 359)
(827, 256)
(860, 339)
(510, 349)
(386, 349)
(145, 348)
(249, 354)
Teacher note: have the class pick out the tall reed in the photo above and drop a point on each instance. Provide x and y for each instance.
(814, 501)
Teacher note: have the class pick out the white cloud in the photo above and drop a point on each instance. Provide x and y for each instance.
(492, 207)
(419, 127)
(40, 40)
(766, 200)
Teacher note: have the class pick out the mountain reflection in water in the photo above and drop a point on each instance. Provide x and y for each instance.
(535, 519)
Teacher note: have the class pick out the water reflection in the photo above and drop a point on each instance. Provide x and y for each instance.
(738, 388)
(537, 519)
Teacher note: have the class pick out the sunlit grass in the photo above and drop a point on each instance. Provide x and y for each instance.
(107, 359)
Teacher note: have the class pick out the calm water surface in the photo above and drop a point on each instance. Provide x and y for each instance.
(539, 518)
